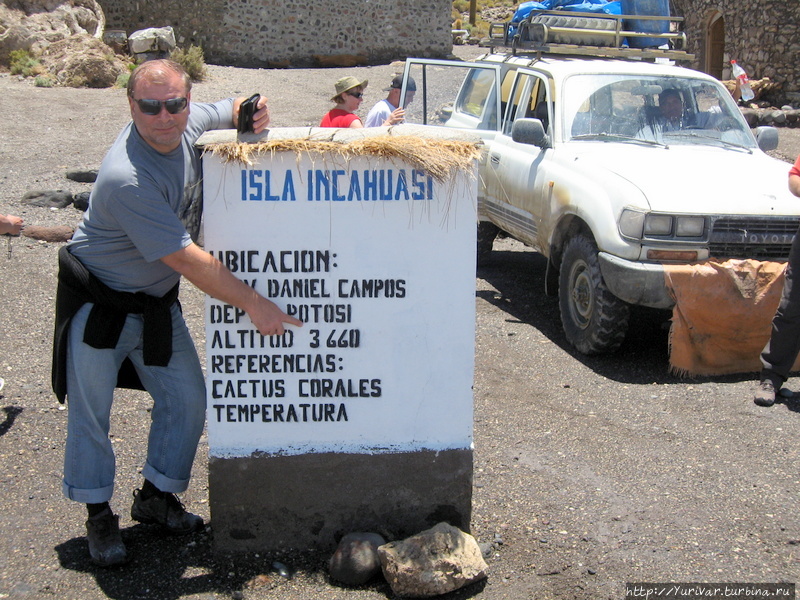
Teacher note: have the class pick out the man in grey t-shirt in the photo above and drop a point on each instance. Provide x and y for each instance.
(128, 256)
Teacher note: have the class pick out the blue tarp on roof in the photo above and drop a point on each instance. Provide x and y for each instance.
(598, 6)
(604, 6)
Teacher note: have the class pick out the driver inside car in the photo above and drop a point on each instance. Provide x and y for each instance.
(670, 110)
(669, 116)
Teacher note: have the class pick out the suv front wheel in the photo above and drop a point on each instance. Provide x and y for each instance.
(595, 321)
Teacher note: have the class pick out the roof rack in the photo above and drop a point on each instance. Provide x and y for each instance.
(590, 34)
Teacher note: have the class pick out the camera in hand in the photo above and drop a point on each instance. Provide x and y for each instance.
(246, 111)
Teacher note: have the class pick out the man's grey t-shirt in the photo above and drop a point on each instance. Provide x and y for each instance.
(137, 205)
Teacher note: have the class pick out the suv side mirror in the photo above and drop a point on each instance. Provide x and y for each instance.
(530, 131)
(767, 138)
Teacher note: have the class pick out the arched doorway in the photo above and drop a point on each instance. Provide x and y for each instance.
(715, 46)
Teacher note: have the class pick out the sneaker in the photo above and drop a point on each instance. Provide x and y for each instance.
(165, 510)
(105, 542)
(765, 393)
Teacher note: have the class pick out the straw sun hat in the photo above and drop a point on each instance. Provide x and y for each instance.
(347, 83)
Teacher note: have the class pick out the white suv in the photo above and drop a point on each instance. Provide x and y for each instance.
(583, 163)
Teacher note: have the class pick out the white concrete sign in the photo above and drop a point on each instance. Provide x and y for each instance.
(378, 260)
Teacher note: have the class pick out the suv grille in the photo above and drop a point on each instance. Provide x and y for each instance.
(763, 238)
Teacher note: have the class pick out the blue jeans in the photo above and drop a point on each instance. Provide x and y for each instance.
(177, 418)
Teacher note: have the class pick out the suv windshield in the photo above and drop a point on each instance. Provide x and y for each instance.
(670, 110)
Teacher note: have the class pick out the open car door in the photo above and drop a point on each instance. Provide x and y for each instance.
(457, 94)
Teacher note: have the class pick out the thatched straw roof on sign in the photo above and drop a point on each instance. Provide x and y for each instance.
(442, 159)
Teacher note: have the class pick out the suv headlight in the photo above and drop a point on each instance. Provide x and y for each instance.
(639, 225)
(657, 225)
(690, 226)
(631, 223)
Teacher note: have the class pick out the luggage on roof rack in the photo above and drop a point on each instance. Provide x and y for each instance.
(593, 34)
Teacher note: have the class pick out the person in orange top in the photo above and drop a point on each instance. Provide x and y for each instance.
(349, 96)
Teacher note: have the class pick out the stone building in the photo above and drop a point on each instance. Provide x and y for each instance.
(763, 36)
(263, 33)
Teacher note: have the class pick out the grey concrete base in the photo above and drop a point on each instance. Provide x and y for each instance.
(310, 501)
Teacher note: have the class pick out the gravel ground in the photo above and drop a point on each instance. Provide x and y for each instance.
(588, 472)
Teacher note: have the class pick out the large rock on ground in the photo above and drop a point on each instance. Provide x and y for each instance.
(356, 561)
(83, 61)
(33, 25)
(59, 233)
(48, 198)
(434, 562)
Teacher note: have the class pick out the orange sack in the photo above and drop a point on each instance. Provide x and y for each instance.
(722, 317)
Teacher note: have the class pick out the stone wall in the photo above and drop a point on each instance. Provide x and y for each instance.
(262, 33)
(762, 36)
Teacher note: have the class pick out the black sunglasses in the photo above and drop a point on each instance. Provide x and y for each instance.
(355, 94)
(153, 107)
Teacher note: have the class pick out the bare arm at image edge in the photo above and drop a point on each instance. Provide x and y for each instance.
(794, 178)
(794, 184)
(10, 224)
(211, 276)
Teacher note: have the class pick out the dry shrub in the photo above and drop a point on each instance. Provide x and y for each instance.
(192, 60)
(441, 159)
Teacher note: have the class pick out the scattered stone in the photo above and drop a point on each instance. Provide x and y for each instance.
(117, 40)
(434, 562)
(494, 14)
(355, 560)
(60, 233)
(282, 570)
(259, 581)
(778, 117)
(83, 61)
(81, 201)
(460, 36)
(82, 175)
(48, 198)
(153, 42)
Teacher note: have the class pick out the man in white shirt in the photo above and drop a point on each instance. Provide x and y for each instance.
(389, 111)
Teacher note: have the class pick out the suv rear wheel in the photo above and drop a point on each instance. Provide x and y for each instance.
(595, 321)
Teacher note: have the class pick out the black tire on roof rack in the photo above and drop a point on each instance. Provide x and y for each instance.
(547, 26)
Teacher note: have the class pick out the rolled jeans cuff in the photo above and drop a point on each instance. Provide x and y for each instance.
(162, 482)
(95, 496)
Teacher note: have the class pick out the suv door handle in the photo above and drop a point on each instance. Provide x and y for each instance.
(494, 158)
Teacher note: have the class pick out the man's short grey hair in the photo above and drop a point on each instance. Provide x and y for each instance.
(154, 70)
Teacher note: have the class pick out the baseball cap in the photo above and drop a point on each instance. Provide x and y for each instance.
(397, 83)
